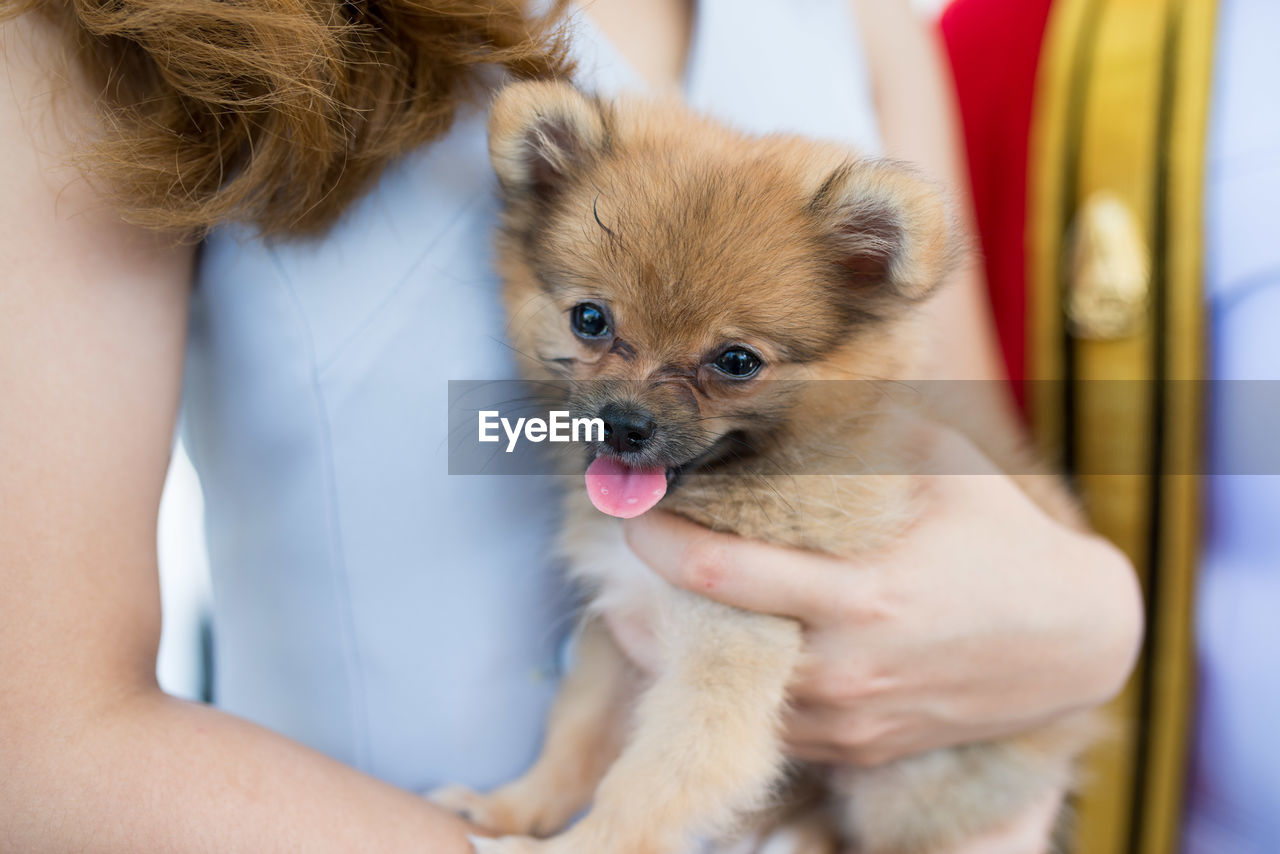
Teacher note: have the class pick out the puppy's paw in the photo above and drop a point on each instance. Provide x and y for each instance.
(508, 845)
(467, 804)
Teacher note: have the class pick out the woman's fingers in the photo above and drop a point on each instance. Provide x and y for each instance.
(748, 574)
(821, 733)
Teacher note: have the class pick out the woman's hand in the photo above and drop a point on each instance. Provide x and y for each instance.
(987, 618)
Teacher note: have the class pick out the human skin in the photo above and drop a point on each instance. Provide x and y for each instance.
(981, 622)
(92, 333)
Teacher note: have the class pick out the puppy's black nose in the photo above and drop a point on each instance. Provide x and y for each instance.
(626, 429)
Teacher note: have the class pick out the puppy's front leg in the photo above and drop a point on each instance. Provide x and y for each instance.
(584, 735)
(705, 747)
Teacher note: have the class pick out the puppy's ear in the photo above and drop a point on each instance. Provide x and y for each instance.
(539, 133)
(889, 230)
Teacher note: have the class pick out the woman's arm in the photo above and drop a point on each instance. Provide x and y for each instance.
(94, 756)
(919, 124)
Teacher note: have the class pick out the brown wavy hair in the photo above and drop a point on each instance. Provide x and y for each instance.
(277, 113)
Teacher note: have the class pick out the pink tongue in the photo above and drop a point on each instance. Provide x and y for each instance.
(620, 490)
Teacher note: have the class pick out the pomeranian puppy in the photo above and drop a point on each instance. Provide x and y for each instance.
(710, 296)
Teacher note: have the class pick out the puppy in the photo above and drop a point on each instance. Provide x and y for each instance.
(712, 297)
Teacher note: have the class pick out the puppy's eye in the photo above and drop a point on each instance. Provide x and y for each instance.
(737, 362)
(589, 320)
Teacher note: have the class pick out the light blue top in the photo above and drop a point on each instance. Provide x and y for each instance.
(1235, 796)
(366, 603)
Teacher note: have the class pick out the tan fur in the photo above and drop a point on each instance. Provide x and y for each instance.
(695, 236)
(279, 114)
(584, 736)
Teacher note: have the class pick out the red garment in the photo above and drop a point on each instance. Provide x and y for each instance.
(994, 46)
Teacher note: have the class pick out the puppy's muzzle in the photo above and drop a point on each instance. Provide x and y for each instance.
(626, 429)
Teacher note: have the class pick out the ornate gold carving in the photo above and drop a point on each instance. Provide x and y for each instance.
(1110, 271)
